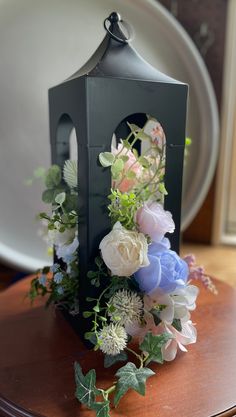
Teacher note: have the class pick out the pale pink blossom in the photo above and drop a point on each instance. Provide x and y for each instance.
(131, 165)
(154, 221)
(187, 336)
(158, 135)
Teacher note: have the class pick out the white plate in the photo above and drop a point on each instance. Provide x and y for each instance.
(44, 42)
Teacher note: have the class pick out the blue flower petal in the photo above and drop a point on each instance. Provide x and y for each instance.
(149, 276)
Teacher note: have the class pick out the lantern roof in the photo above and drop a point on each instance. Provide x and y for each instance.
(116, 58)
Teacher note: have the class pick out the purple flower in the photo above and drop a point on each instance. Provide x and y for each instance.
(154, 221)
(166, 270)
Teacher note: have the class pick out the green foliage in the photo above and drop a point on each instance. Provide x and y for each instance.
(102, 408)
(177, 324)
(131, 377)
(106, 159)
(60, 198)
(152, 345)
(110, 360)
(86, 390)
(53, 177)
(123, 207)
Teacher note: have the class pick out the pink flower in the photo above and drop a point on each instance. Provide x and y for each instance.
(158, 135)
(198, 273)
(154, 221)
(131, 165)
(187, 336)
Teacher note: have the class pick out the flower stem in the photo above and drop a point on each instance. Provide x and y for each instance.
(139, 357)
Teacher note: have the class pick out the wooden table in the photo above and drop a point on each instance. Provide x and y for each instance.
(38, 349)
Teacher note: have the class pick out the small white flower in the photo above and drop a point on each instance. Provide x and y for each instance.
(64, 251)
(124, 251)
(61, 238)
(112, 339)
(126, 307)
(70, 173)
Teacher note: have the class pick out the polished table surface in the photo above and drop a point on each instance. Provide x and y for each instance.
(38, 349)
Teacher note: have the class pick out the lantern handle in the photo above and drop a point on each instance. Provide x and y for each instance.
(116, 18)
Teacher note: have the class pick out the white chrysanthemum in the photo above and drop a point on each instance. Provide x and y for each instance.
(126, 307)
(112, 339)
(70, 173)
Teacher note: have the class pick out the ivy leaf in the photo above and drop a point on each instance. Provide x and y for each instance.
(152, 345)
(110, 360)
(106, 159)
(102, 408)
(131, 377)
(86, 390)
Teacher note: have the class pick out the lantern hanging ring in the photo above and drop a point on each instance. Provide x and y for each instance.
(116, 18)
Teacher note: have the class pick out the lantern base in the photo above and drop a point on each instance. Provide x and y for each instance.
(74, 322)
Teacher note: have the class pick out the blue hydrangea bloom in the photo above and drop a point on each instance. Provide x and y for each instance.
(60, 290)
(54, 268)
(58, 277)
(166, 271)
(42, 280)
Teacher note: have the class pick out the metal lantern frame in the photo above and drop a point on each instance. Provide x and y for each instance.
(114, 84)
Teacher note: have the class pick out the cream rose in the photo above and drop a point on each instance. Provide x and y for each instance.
(124, 251)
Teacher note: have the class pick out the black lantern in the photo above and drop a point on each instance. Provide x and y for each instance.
(114, 84)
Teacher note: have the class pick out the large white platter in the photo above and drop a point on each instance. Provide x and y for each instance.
(42, 43)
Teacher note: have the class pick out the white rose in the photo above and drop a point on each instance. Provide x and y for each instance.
(124, 251)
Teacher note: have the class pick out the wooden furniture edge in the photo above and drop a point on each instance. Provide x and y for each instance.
(9, 409)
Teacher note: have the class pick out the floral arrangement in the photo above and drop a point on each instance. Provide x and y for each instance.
(147, 296)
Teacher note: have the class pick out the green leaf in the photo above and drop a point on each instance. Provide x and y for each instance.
(71, 202)
(87, 314)
(131, 377)
(60, 198)
(130, 175)
(102, 408)
(96, 308)
(155, 313)
(106, 159)
(177, 324)
(48, 196)
(117, 167)
(39, 172)
(86, 390)
(143, 136)
(110, 360)
(124, 158)
(144, 161)
(53, 176)
(162, 188)
(133, 127)
(152, 345)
